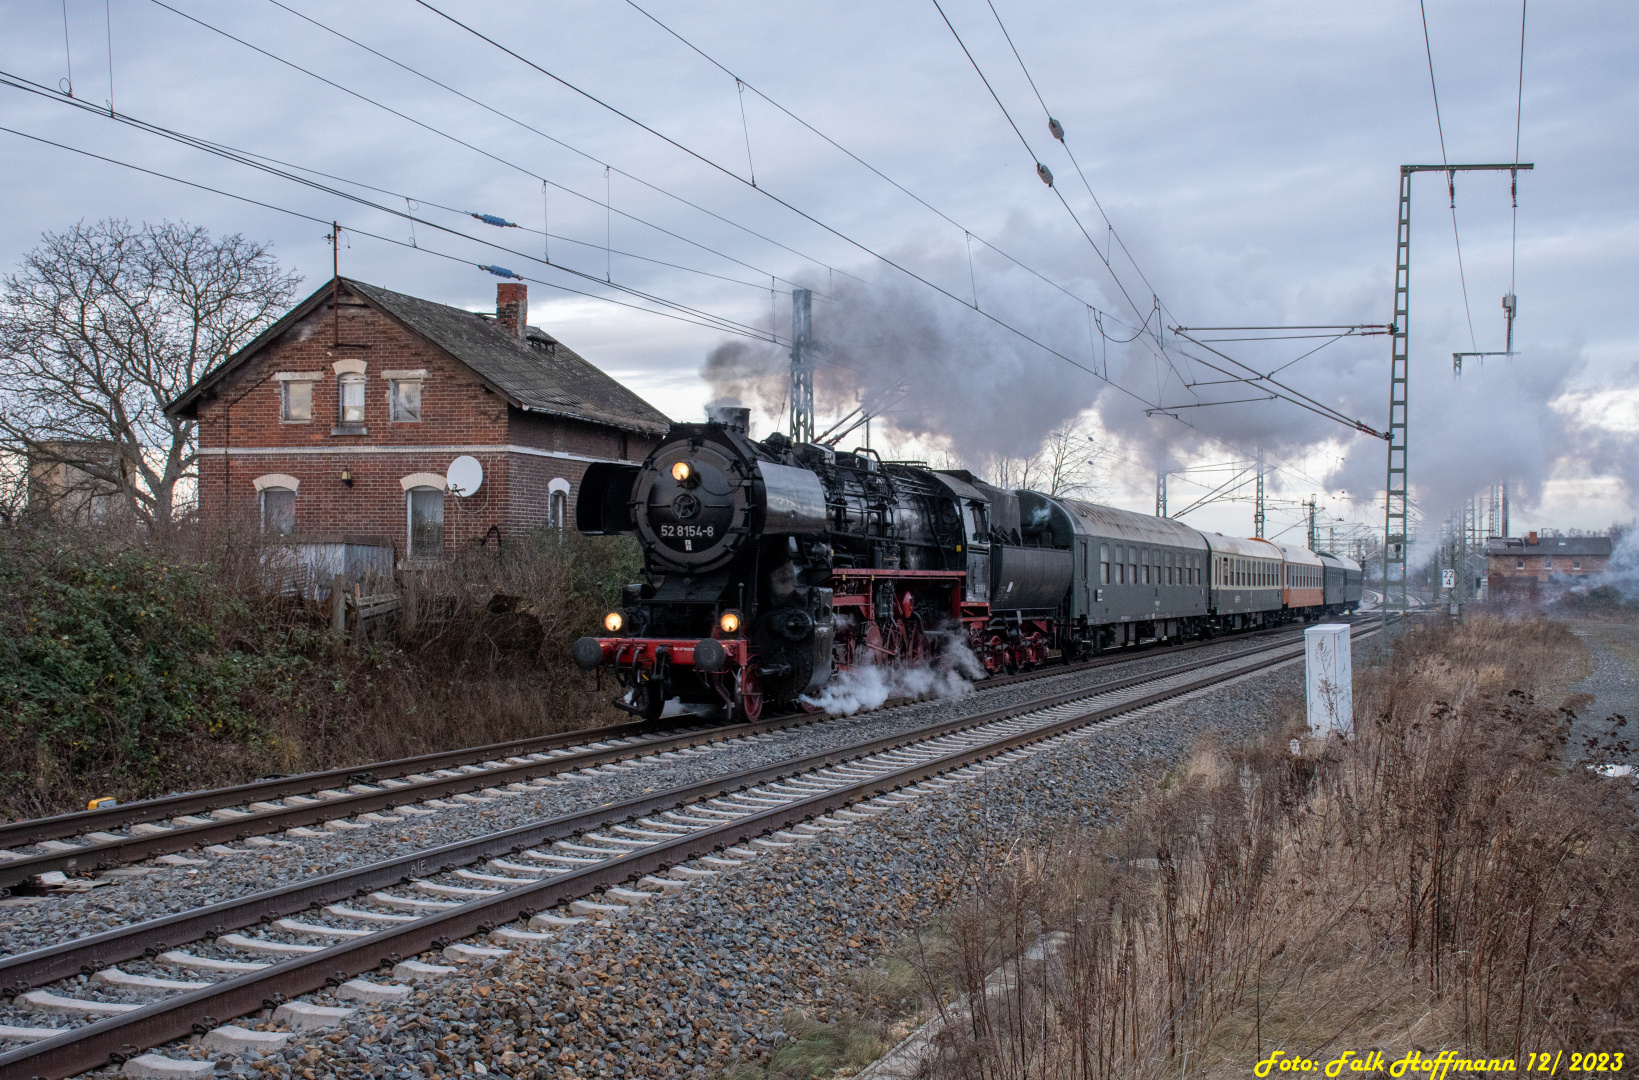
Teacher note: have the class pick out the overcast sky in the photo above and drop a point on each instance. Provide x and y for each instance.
(1246, 153)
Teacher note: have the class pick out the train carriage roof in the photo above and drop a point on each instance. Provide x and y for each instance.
(1107, 521)
(1299, 555)
(1248, 548)
(1339, 560)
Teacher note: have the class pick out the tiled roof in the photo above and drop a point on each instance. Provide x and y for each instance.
(537, 373)
(1549, 545)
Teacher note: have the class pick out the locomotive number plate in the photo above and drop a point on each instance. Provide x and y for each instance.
(693, 531)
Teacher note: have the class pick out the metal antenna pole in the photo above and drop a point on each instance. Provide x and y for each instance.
(1257, 514)
(802, 367)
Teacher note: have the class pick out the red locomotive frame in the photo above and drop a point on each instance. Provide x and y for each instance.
(865, 635)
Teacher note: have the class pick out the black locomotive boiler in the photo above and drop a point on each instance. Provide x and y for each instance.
(771, 566)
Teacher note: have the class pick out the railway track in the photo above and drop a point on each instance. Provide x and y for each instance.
(117, 836)
(329, 931)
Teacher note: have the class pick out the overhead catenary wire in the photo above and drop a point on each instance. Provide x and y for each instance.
(21, 83)
(757, 335)
(228, 153)
(1047, 177)
(730, 173)
(1141, 330)
(1439, 126)
(805, 215)
(656, 188)
(592, 200)
(854, 157)
(1519, 112)
(1058, 133)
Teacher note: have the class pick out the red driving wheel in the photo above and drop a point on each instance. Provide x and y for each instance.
(748, 696)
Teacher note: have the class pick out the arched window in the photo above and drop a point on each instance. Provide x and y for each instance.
(425, 506)
(350, 391)
(557, 503)
(276, 502)
(278, 510)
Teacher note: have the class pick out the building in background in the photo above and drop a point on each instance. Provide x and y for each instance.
(1537, 569)
(340, 423)
(61, 488)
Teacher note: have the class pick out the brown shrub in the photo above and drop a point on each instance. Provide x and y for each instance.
(1444, 879)
(135, 664)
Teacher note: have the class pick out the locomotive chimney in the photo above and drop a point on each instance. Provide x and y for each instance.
(736, 417)
(512, 307)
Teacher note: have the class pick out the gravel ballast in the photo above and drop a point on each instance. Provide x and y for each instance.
(1613, 688)
(696, 981)
(32, 923)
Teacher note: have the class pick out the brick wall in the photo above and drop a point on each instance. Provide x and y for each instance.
(1537, 566)
(457, 415)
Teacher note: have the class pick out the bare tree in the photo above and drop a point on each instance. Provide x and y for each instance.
(106, 324)
(1069, 463)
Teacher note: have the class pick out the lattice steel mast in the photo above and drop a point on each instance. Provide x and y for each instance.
(1396, 519)
(802, 366)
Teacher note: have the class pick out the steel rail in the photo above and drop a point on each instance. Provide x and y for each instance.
(128, 849)
(38, 967)
(145, 811)
(118, 1038)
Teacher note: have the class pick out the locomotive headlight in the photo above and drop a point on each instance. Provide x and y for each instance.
(729, 622)
(681, 472)
(613, 621)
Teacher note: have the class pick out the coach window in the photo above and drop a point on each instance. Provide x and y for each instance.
(1104, 563)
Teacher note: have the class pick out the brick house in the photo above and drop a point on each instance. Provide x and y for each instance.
(1536, 567)
(340, 422)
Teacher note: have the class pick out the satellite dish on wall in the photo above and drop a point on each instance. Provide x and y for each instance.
(466, 476)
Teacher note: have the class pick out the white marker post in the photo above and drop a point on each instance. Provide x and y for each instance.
(1329, 677)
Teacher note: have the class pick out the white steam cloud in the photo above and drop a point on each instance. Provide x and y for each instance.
(943, 374)
(869, 686)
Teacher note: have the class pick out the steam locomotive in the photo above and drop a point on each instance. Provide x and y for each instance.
(771, 566)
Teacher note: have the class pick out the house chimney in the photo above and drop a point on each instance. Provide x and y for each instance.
(1531, 537)
(512, 307)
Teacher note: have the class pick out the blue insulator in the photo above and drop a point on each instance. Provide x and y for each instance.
(498, 222)
(500, 271)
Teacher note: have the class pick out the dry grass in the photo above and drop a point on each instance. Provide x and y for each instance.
(1443, 880)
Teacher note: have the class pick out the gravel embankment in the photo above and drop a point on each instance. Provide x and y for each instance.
(695, 982)
(30, 924)
(1614, 687)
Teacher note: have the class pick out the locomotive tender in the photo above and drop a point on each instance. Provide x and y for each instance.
(772, 566)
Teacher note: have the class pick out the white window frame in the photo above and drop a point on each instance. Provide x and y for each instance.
(409, 522)
(343, 382)
(284, 379)
(557, 502)
(396, 378)
(275, 482)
